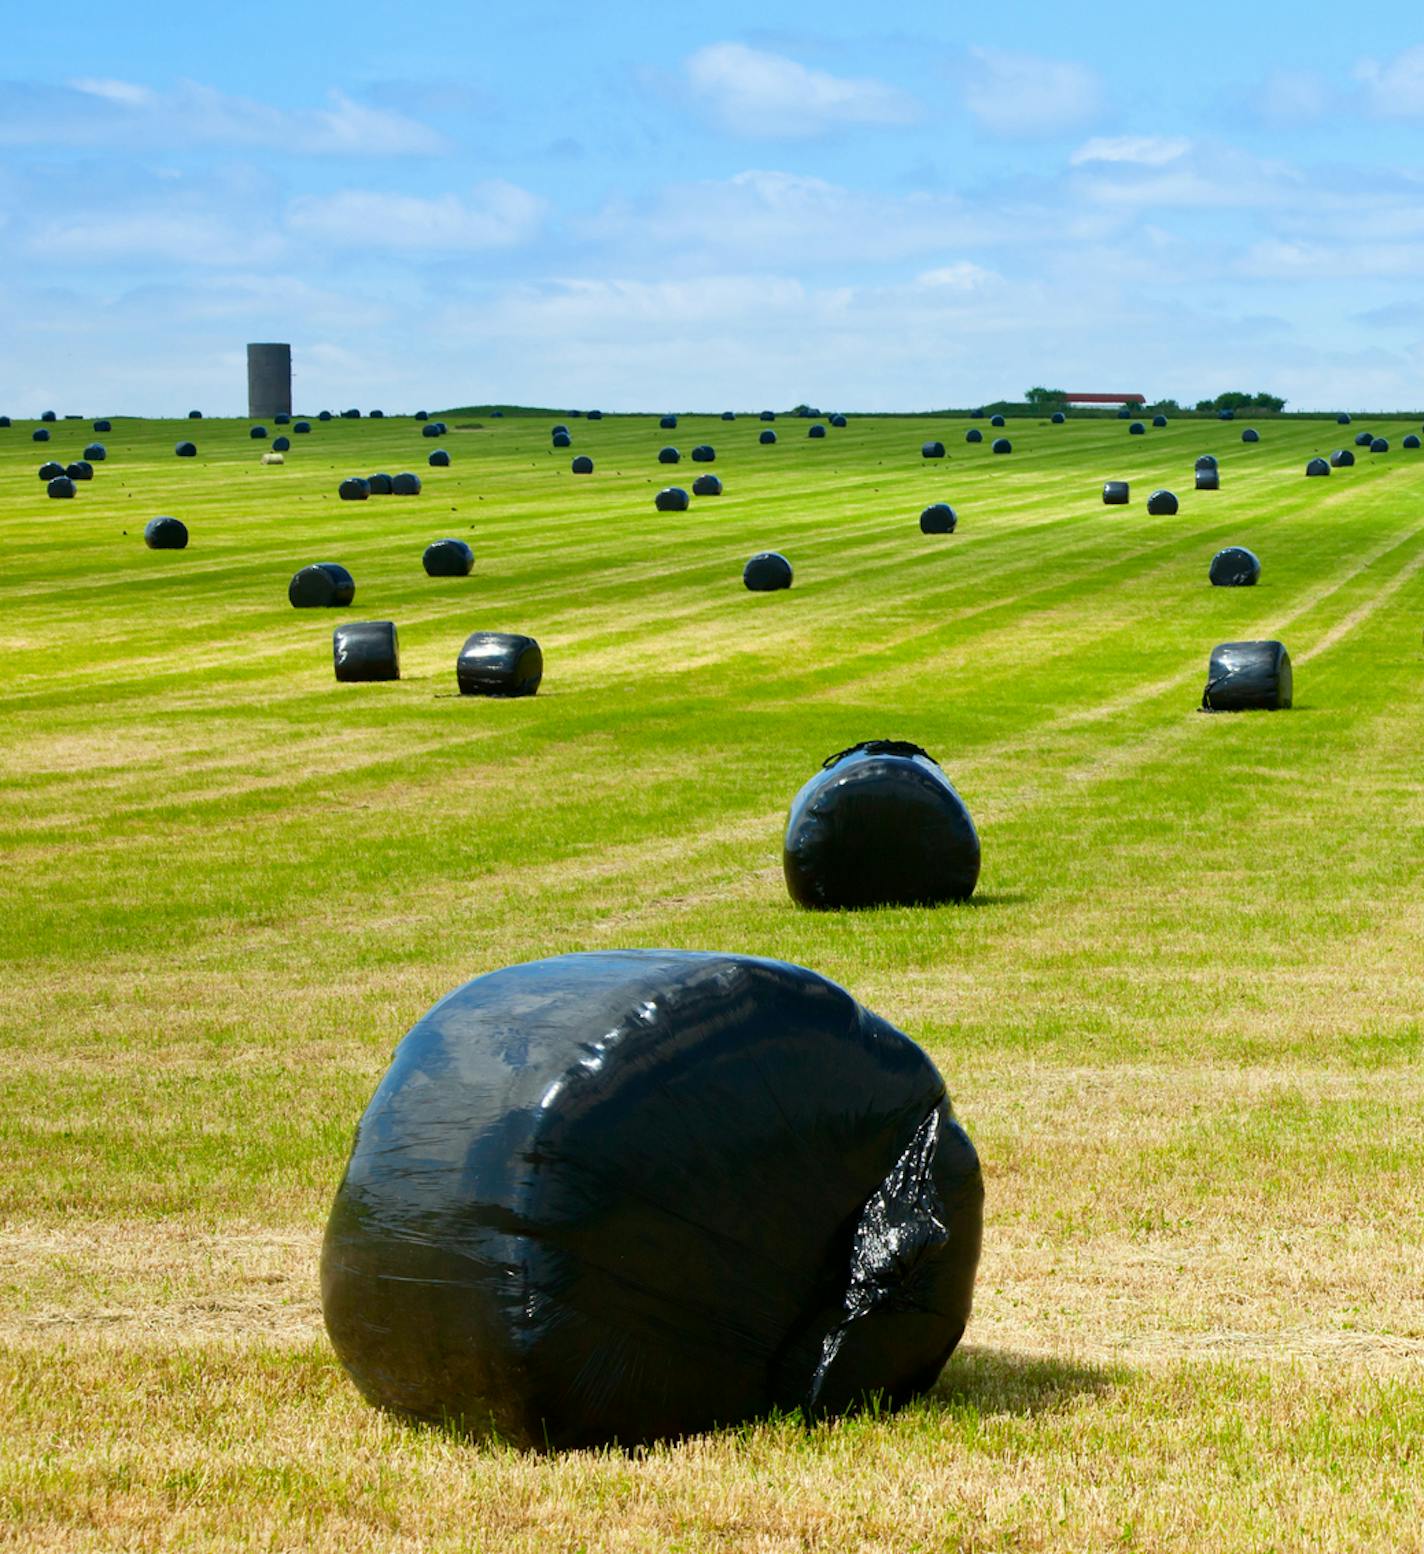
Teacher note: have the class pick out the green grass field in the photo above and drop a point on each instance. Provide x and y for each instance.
(1180, 1018)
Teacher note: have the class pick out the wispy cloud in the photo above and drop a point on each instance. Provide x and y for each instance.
(495, 215)
(754, 93)
(1143, 150)
(1394, 89)
(1014, 94)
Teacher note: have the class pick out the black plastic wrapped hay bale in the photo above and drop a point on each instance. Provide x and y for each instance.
(932, 450)
(1137, 429)
(1225, 415)
(257, 432)
(376, 415)
(5, 422)
(974, 435)
(1206, 461)
(350, 415)
(767, 572)
(1248, 677)
(282, 418)
(1380, 445)
(499, 663)
(1001, 445)
(1162, 503)
(324, 415)
(767, 438)
(1115, 493)
(671, 499)
(165, 533)
(301, 428)
(354, 489)
(431, 429)
(323, 585)
(557, 428)
(768, 415)
(729, 415)
(51, 470)
(1124, 414)
(422, 415)
(407, 483)
(48, 415)
(582, 465)
(365, 651)
(707, 485)
(1234, 567)
(996, 420)
(938, 518)
(195, 415)
(1250, 435)
(103, 426)
(668, 422)
(185, 450)
(1364, 439)
(39, 435)
(96, 453)
(61, 488)
(1320, 467)
(439, 459)
(562, 440)
(1342, 458)
(669, 456)
(1411, 441)
(838, 421)
(1208, 479)
(81, 469)
(1058, 418)
(595, 415)
(704, 453)
(880, 825)
(1342, 419)
(636, 1194)
(448, 558)
(281, 444)
(816, 431)
(379, 484)
(1159, 420)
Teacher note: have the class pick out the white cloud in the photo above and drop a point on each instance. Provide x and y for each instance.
(497, 215)
(1394, 89)
(180, 238)
(754, 93)
(962, 276)
(127, 93)
(1024, 95)
(1144, 150)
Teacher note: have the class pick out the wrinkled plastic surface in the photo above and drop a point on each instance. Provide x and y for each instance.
(499, 663)
(1247, 677)
(1319, 467)
(707, 485)
(323, 585)
(407, 483)
(1234, 567)
(1161, 502)
(704, 453)
(880, 824)
(766, 572)
(1137, 429)
(1208, 480)
(582, 465)
(440, 459)
(186, 450)
(354, 489)
(767, 437)
(938, 518)
(1115, 493)
(448, 558)
(638, 1194)
(365, 651)
(1250, 435)
(932, 450)
(671, 499)
(1342, 458)
(1001, 445)
(669, 456)
(165, 533)
(61, 487)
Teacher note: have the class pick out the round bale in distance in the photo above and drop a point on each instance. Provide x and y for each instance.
(1137, 429)
(974, 435)
(164, 533)
(323, 585)
(671, 499)
(1364, 439)
(776, 1172)
(448, 558)
(837, 420)
(51, 470)
(1411, 441)
(379, 484)
(595, 415)
(1234, 567)
(1320, 467)
(938, 518)
(932, 450)
(301, 428)
(767, 437)
(257, 432)
(582, 465)
(1250, 435)
(5, 422)
(96, 453)
(1342, 458)
(768, 415)
(282, 418)
(1206, 461)
(103, 426)
(880, 825)
(281, 444)
(1162, 503)
(1342, 419)
(40, 434)
(430, 429)
(81, 469)
(669, 456)
(61, 487)
(366, 650)
(499, 663)
(1159, 420)
(48, 415)
(1380, 445)
(354, 489)
(704, 453)
(766, 572)
(1001, 445)
(1115, 493)
(562, 440)
(422, 415)
(1058, 418)
(668, 422)
(324, 415)
(439, 459)
(816, 431)
(707, 485)
(996, 420)
(186, 450)
(729, 415)
(195, 415)
(1248, 677)
(1208, 479)
(407, 483)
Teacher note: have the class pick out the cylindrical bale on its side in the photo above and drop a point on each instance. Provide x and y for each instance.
(324, 415)
(996, 420)
(323, 585)
(838, 421)
(1001, 445)
(974, 435)
(816, 431)
(380, 484)
(1162, 503)
(354, 489)
(165, 533)
(707, 485)
(669, 456)
(103, 426)
(766, 438)
(668, 422)
(775, 1171)
(1320, 467)
(595, 415)
(257, 432)
(407, 483)
(51, 470)
(704, 453)
(448, 558)
(376, 415)
(1137, 429)
(1058, 418)
(499, 663)
(186, 450)
(1115, 493)
(96, 453)
(1364, 439)
(81, 469)
(422, 415)
(938, 518)
(1342, 420)
(195, 415)
(1250, 435)
(768, 415)
(281, 444)
(1380, 445)
(1206, 461)
(438, 459)
(880, 825)
(1342, 458)
(932, 450)
(269, 380)
(729, 415)
(351, 415)
(61, 488)
(1248, 677)
(671, 499)
(282, 418)
(767, 572)
(562, 440)
(1208, 479)
(39, 435)
(48, 415)
(582, 465)
(1159, 420)
(1234, 567)
(364, 651)
(1411, 441)
(431, 429)
(301, 428)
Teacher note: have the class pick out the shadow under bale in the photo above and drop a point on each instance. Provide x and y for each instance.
(1115, 493)
(323, 585)
(1162, 503)
(1342, 458)
(880, 825)
(938, 518)
(582, 465)
(185, 450)
(448, 558)
(1320, 467)
(752, 1195)
(366, 651)
(165, 533)
(499, 663)
(1248, 677)
(1234, 567)
(707, 485)
(932, 450)
(767, 572)
(439, 459)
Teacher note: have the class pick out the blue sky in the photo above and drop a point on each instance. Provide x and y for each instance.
(649, 206)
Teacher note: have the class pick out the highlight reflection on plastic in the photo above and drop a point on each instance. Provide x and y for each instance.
(632, 1195)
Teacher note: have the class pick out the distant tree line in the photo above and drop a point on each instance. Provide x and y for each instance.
(1040, 398)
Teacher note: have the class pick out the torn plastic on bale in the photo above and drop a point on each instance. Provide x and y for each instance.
(632, 1195)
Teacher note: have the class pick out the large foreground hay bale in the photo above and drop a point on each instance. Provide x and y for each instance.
(1162, 503)
(1115, 493)
(323, 585)
(1234, 567)
(164, 533)
(767, 572)
(671, 499)
(938, 518)
(1248, 676)
(880, 825)
(364, 651)
(639, 1194)
(448, 558)
(499, 663)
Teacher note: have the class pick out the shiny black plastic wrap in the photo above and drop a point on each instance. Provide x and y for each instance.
(1411, 441)
(704, 453)
(1342, 458)
(766, 438)
(96, 453)
(499, 663)
(355, 489)
(379, 484)
(1137, 429)
(366, 650)
(1342, 419)
(1234, 567)
(440, 459)
(932, 450)
(880, 825)
(1206, 461)
(768, 415)
(672, 499)
(1380, 445)
(257, 433)
(1001, 445)
(816, 431)
(561, 440)
(407, 483)
(669, 456)
(1250, 435)
(996, 420)
(323, 585)
(280, 419)
(40, 434)
(837, 420)
(1248, 677)
(281, 444)
(974, 435)
(61, 487)
(938, 518)
(582, 465)
(301, 428)
(431, 429)
(1159, 420)
(1318, 467)
(668, 422)
(165, 533)
(51, 469)
(707, 485)
(186, 450)
(5, 422)
(81, 469)
(766, 572)
(448, 558)
(633, 1195)
(103, 426)
(1364, 439)
(1208, 480)
(1058, 418)
(324, 415)
(1115, 493)
(1162, 502)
